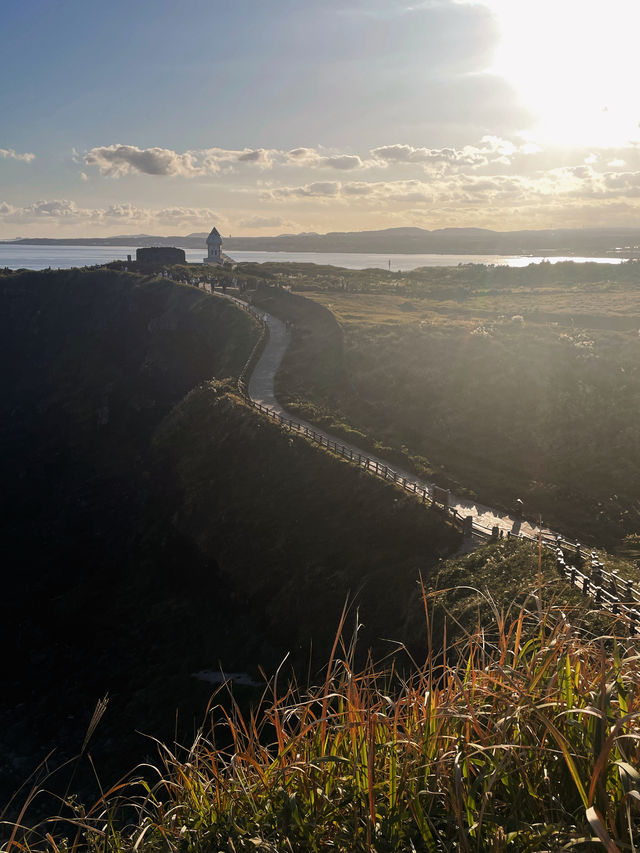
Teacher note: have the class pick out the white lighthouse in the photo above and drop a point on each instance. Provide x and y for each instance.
(214, 248)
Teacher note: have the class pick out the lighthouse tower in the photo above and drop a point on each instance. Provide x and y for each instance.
(214, 248)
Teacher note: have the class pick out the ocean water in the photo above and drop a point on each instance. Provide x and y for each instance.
(369, 260)
(63, 257)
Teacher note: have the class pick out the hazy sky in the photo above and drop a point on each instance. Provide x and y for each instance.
(271, 116)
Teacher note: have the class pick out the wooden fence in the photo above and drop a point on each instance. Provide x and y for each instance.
(605, 588)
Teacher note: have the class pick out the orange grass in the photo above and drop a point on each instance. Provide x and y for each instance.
(526, 736)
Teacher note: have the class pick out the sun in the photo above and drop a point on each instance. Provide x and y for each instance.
(574, 65)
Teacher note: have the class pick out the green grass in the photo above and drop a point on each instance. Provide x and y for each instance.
(495, 383)
(524, 736)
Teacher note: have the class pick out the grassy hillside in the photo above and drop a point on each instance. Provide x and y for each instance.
(150, 534)
(93, 361)
(248, 543)
(524, 738)
(501, 383)
(159, 526)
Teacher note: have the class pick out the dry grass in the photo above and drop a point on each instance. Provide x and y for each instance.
(523, 737)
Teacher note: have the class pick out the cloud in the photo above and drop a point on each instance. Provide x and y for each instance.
(10, 154)
(428, 156)
(374, 191)
(67, 212)
(317, 190)
(118, 160)
(490, 150)
(265, 222)
(312, 158)
(214, 160)
(468, 190)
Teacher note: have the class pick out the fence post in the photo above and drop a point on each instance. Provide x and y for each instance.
(585, 585)
(424, 495)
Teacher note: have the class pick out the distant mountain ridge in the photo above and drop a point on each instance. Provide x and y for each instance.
(560, 241)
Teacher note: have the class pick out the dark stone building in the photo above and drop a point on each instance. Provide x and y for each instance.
(160, 255)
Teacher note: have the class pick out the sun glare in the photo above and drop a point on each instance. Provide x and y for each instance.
(574, 65)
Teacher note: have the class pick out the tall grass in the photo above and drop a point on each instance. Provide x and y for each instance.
(523, 737)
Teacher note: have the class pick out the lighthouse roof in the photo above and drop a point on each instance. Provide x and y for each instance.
(214, 236)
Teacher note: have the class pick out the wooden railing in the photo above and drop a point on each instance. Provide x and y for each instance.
(374, 466)
(607, 589)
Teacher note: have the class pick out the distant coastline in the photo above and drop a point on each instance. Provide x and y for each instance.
(589, 242)
(37, 256)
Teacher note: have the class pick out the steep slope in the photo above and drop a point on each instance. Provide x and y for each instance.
(92, 363)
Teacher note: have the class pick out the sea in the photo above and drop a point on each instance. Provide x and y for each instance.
(37, 257)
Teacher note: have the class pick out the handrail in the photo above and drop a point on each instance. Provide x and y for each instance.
(605, 587)
(609, 592)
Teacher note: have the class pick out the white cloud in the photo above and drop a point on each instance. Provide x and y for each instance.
(118, 160)
(67, 212)
(317, 190)
(312, 158)
(491, 149)
(212, 160)
(428, 156)
(462, 189)
(10, 154)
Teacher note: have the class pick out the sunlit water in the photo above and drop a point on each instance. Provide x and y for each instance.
(63, 257)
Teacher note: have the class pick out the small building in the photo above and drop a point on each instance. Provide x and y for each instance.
(160, 255)
(214, 248)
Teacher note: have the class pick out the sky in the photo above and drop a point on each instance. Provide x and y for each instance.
(285, 116)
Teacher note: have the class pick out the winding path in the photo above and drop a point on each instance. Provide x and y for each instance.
(261, 392)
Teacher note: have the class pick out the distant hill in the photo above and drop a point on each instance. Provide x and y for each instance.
(450, 241)
(562, 241)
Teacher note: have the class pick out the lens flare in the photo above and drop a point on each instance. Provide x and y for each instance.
(574, 65)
